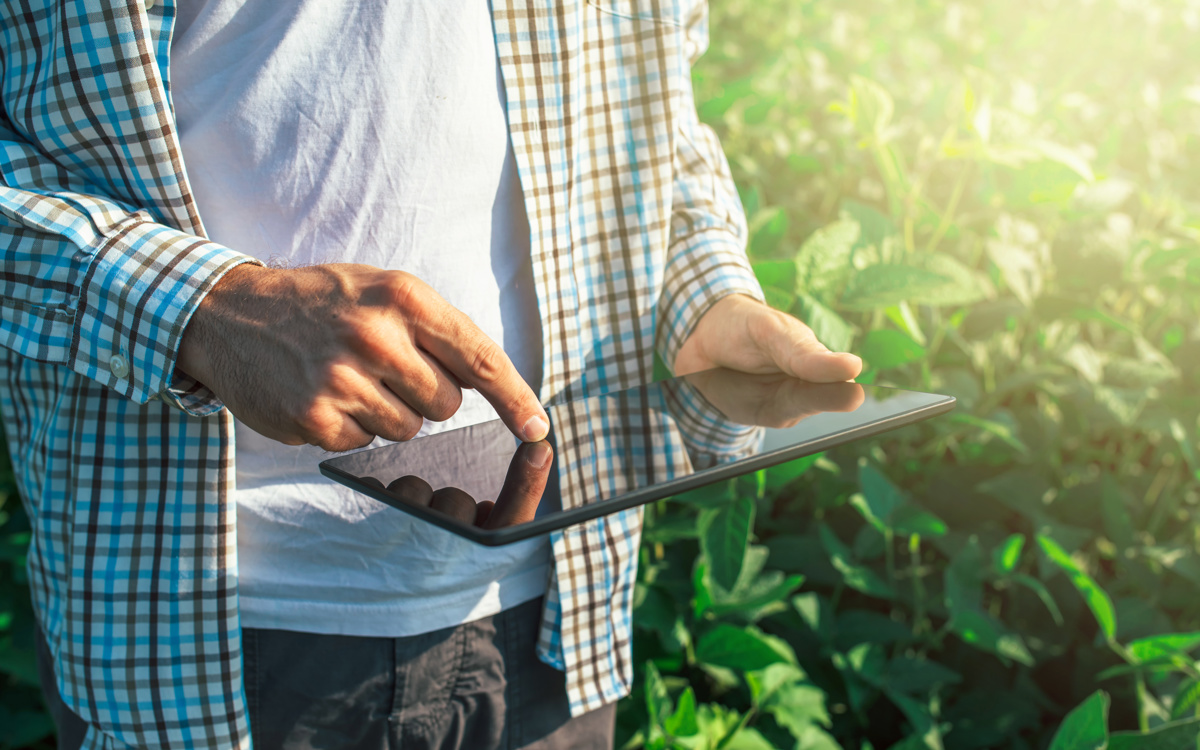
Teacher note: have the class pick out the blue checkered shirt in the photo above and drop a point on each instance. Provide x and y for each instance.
(125, 465)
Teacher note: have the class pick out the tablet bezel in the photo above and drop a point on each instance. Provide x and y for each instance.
(563, 518)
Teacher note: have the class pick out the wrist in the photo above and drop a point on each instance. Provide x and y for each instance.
(695, 355)
(195, 356)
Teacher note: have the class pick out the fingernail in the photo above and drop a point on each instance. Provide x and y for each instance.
(539, 455)
(536, 429)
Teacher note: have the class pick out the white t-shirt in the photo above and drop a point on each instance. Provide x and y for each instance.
(374, 132)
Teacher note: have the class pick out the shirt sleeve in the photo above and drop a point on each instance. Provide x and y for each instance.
(706, 254)
(98, 285)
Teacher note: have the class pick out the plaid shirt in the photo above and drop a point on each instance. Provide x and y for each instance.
(126, 466)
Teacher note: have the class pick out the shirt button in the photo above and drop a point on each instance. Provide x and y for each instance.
(118, 365)
(149, 4)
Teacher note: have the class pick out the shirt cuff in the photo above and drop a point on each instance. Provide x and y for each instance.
(704, 267)
(139, 293)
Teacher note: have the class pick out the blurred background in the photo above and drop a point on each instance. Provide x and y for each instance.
(999, 200)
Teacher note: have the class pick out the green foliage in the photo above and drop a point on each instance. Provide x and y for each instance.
(23, 717)
(996, 201)
(1086, 727)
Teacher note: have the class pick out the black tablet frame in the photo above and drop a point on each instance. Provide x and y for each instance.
(562, 519)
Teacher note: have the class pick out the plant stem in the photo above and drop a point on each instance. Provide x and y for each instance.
(914, 560)
(947, 217)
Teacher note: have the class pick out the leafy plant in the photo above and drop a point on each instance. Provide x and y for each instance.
(995, 201)
(23, 716)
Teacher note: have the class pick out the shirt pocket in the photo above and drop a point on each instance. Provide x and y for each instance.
(662, 12)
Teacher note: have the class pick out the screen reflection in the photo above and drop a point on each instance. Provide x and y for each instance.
(599, 448)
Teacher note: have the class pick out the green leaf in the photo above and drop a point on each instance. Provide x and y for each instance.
(916, 676)
(823, 261)
(754, 600)
(886, 284)
(682, 723)
(748, 739)
(1086, 727)
(778, 299)
(1039, 588)
(1186, 699)
(741, 648)
(797, 706)
(871, 107)
(963, 578)
(885, 348)
(904, 318)
(1124, 405)
(1007, 555)
(767, 231)
(1086, 361)
(1015, 251)
(919, 717)
(670, 528)
(815, 738)
(1002, 431)
(829, 327)
(882, 498)
(765, 683)
(658, 701)
(864, 626)
(1179, 433)
(909, 520)
(716, 721)
(815, 611)
(966, 287)
(724, 538)
(1179, 735)
(1060, 154)
(709, 496)
(1103, 196)
(1145, 649)
(874, 226)
(776, 273)
(1097, 600)
(984, 632)
(857, 577)
(781, 474)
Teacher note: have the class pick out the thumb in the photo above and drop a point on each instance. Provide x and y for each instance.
(796, 351)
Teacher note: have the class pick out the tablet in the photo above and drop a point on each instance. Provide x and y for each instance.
(619, 450)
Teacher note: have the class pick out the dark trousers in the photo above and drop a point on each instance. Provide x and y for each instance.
(477, 686)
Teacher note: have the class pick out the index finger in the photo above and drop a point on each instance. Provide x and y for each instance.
(480, 363)
(523, 486)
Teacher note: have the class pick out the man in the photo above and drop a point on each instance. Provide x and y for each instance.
(303, 131)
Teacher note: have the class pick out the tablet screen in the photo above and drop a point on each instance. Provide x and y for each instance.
(619, 450)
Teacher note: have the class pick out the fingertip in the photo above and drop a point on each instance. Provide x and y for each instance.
(853, 361)
(535, 428)
(540, 454)
(826, 367)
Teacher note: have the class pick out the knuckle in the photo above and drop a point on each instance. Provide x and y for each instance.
(408, 429)
(487, 361)
(405, 291)
(317, 422)
(346, 443)
(444, 405)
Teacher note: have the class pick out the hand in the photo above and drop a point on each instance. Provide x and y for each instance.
(334, 355)
(775, 400)
(741, 333)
